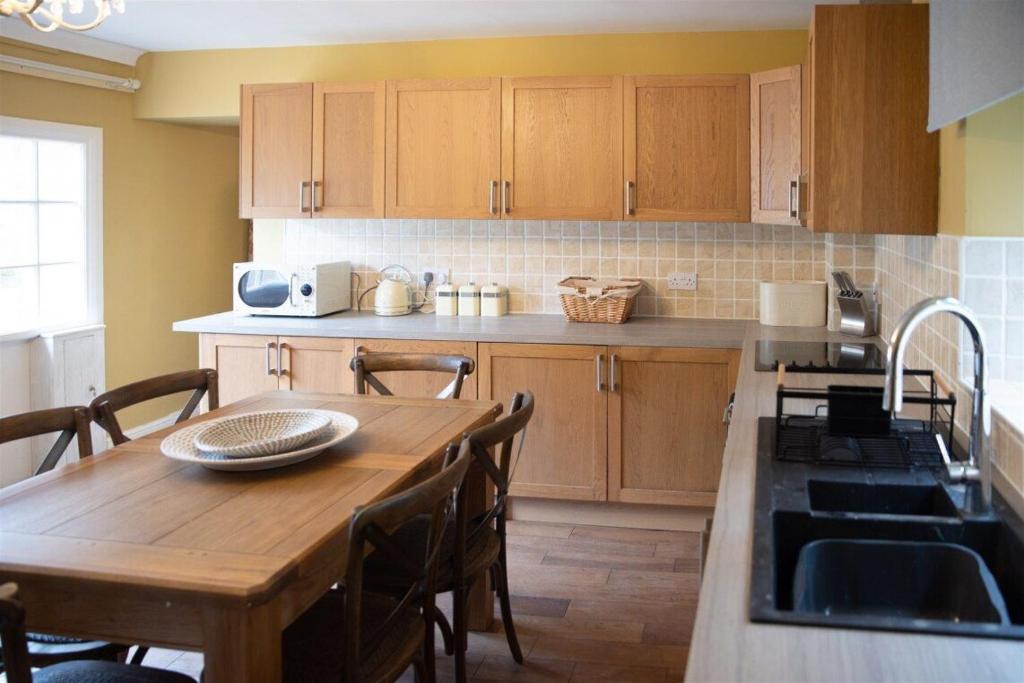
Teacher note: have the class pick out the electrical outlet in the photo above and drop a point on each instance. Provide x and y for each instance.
(440, 276)
(685, 281)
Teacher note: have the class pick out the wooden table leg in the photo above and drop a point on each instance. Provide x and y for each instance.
(242, 644)
(480, 601)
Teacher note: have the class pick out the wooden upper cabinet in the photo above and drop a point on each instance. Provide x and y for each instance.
(873, 166)
(561, 147)
(348, 150)
(665, 431)
(686, 151)
(275, 151)
(443, 148)
(775, 145)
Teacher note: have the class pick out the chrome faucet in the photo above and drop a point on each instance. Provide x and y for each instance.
(978, 466)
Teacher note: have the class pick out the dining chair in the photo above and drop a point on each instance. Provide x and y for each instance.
(471, 546)
(105, 406)
(352, 634)
(364, 365)
(70, 422)
(18, 663)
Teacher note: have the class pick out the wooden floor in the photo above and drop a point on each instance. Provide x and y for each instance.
(590, 603)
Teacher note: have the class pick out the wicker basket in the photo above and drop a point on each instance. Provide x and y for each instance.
(589, 300)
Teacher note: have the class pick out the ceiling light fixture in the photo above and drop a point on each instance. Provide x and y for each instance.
(49, 15)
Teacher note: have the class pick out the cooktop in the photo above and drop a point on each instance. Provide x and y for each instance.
(819, 357)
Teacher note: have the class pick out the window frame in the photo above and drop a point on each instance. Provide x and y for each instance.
(92, 138)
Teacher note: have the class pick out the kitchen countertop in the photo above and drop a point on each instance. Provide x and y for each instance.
(522, 328)
(726, 645)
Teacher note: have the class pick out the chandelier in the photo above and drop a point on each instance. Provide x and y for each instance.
(49, 15)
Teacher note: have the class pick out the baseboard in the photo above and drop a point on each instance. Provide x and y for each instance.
(601, 513)
(150, 427)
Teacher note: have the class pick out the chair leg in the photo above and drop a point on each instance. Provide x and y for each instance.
(446, 631)
(461, 631)
(501, 581)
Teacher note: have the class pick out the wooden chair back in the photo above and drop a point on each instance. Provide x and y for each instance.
(70, 422)
(364, 365)
(374, 525)
(199, 382)
(501, 436)
(13, 644)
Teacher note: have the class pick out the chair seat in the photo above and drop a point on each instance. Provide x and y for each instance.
(482, 550)
(46, 648)
(313, 646)
(106, 672)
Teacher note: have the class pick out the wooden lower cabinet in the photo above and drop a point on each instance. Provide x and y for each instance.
(251, 364)
(565, 453)
(245, 364)
(426, 384)
(665, 430)
(318, 364)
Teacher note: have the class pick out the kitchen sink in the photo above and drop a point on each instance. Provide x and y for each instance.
(896, 579)
(883, 550)
(883, 499)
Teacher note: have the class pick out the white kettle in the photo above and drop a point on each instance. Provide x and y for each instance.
(393, 295)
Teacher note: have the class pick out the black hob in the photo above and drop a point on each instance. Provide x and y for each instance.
(819, 357)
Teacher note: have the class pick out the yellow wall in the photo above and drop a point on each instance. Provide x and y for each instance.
(170, 220)
(203, 85)
(994, 168)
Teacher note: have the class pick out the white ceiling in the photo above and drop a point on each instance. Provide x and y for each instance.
(163, 25)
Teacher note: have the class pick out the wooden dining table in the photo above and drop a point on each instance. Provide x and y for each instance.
(133, 547)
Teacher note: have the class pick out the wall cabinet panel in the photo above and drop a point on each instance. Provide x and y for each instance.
(775, 134)
(687, 148)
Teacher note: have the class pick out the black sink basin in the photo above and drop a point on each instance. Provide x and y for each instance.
(883, 499)
(896, 579)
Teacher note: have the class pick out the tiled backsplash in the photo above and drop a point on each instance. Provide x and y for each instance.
(913, 268)
(530, 257)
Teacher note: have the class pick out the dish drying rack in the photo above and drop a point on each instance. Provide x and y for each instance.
(864, 439)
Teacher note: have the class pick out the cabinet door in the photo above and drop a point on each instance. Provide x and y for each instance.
(318, 364)
(348, 150)
(443, 148)
(246, 364)
(561, 147)
(775, 145)
(565, 451)
(276, 151)
(875, 167)
(420, 384)
(805, 211)
(687, 147)
(665, 430)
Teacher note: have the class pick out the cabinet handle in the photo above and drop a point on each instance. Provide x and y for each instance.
(271, 371)
(492, 198)
(302, 196)
(315, 206)
(794, 186)
(506, 196)
(599, 365)
(292, 288)
(281, 372)
(630, 192)
(612, 371)
(727, 414)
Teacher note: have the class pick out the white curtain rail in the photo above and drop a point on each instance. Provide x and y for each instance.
(31, 67)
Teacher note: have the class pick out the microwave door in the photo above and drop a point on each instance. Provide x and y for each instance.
(264, 289)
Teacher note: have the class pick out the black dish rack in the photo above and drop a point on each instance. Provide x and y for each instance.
(857, 439)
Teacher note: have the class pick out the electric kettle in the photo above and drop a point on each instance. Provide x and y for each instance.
(393, 295)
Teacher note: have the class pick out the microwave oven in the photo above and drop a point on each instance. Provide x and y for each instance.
(308, 290)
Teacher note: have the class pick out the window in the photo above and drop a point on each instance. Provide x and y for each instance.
(50, 226)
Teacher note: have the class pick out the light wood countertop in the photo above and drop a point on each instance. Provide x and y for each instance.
(727, 646)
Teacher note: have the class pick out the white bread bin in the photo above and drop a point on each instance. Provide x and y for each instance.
(793, 303)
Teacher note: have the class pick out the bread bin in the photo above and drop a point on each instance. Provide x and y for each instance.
(794, 303)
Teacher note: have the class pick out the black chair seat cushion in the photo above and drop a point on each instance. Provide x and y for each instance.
(312, 647)
(106, 672)
(380, 574)
(46, 648)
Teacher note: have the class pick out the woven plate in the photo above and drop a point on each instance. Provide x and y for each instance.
(181, 446)
(262, 433)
